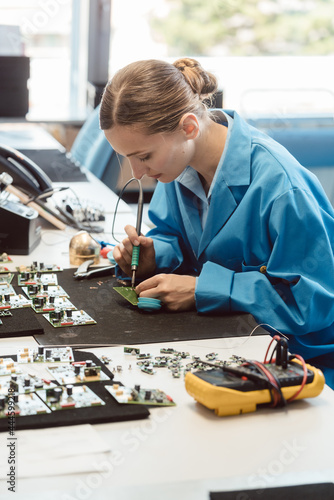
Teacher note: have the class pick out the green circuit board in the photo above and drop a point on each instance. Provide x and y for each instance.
(128, 293)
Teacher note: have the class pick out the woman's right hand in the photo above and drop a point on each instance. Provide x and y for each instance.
(123, 253)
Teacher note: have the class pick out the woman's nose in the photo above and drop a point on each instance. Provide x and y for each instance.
(138, 170)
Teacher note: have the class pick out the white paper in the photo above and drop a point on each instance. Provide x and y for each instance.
(55, 451)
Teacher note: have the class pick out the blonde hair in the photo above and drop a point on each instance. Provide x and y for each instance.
(154, 95)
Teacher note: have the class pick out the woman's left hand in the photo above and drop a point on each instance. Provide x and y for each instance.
(176, 292)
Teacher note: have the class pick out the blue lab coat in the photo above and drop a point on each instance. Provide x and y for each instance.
(267, 245)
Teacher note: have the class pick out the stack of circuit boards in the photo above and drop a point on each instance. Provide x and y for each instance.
(38, 385)
(41, 292)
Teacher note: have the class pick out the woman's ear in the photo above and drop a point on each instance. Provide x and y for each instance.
(189, 125)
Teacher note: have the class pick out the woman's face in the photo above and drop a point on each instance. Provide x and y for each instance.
(161, 156)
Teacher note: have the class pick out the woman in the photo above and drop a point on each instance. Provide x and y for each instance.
(240, 225)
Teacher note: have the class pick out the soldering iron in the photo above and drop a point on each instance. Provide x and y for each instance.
(136, 249)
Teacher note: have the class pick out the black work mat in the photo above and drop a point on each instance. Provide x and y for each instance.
(321, 491)
(23, 322)
(119, 322)
(112, 411)
(57, 165)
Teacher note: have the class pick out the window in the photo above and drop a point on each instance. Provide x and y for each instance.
(50, 32)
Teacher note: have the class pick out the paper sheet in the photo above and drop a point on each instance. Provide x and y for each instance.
(55, 451)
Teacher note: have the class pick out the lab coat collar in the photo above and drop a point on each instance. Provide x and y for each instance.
(236, 166)
(235, 171)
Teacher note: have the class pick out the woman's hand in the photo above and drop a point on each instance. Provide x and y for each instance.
(123, 253)
(175, 291)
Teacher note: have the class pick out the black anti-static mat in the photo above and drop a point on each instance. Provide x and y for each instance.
(57, 165)
(22, 322)
(118, 322)
(112, 411)
(321, 491)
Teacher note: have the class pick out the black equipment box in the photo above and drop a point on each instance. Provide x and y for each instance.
(14, 94)
(20, 230)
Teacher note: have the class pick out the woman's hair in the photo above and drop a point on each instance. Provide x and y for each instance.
(154, 95)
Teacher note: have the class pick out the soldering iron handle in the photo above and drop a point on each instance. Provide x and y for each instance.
(135, 258)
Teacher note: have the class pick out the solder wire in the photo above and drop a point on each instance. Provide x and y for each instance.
(140, 204)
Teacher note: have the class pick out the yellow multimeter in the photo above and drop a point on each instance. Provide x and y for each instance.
(235, 390)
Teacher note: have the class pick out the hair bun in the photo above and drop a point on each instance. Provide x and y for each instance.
(201, 82)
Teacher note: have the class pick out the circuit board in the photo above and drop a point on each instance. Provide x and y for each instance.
(60, 319)
(87, 397)
(6, 289)
(64, 398)
(40, 267)
(45, 291)
(45, 355)
(128, 293)
(38, 278)
(139, 396)
(77, 373)
(4, 258)
(8, 366)
(23, 405)
(52, 303)
(14, 302)
(5, 312)
(23, 383)
(131, 350)
(6, 278)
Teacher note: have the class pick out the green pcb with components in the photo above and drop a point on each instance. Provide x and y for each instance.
(128, 293)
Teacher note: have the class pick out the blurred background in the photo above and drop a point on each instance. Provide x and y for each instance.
(274, 59)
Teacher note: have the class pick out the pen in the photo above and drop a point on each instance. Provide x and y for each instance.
(136, 249)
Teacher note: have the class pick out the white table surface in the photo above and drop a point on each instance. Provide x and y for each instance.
(183, 451)
(186, 451)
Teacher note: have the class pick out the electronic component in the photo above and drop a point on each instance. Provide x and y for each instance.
(69, 318)
(6, 289)
(69, 397)
(5, 312)
(8, 366)
(137, 395)
(36, 278)
(44, 291)
(23, 383)
(105, 359)
(6, 278)
(22, 405)
(143, 355)
(77, 373)
(13, 301)
(45, 355)
(147, 369)
(161, 361)
(51, 303)
(83, 210)
(167, 350)
(4, 258)
(39, 267)
(131, 350)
